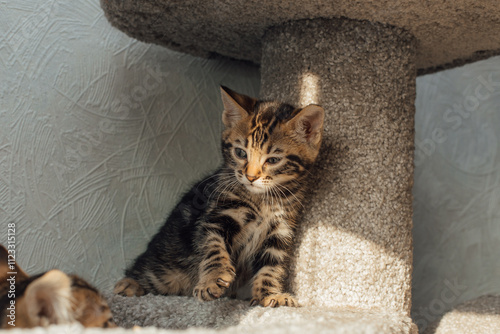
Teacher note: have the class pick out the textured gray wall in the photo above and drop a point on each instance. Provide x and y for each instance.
(88, 165)
(99, 134)
(457, 188)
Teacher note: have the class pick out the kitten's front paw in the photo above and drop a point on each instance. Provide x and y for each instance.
(214, 285)
(275, 300)
(128, 287)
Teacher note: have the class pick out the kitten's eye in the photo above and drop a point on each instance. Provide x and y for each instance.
(240, 153)
(273, 160)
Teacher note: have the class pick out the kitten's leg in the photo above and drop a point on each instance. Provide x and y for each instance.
(216, 272)
(269, 280)
(128, 287)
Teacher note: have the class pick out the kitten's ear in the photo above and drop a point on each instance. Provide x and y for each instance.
(5, 267)
(236, 106)
(308, 124)
(48, 299)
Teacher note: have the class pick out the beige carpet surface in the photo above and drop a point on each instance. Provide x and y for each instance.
(161, 314)
(230, 315)
(478, 316)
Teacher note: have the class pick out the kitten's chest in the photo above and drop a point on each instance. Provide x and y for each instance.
(255, 233)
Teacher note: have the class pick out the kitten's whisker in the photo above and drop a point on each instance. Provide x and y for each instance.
(216, 175)
(220, 188)
(291, 193)
(222, 177)
(267, 195)
(225, 191)
(273, 191)
(231, 188)
(281, 197)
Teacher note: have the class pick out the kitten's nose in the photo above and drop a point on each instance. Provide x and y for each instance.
(251, 178)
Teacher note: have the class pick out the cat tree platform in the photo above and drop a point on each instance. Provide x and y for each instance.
(480, 315)
(353, 259)
(449, 33)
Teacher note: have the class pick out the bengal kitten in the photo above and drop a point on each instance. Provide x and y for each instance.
(239, 223)
(50, 298)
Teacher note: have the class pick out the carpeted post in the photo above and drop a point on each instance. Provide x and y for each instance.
(354, 245)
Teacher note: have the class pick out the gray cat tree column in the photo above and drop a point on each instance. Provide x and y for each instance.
(354, 244)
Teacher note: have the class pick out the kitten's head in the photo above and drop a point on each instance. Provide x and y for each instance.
(269, 145)
(50, 298)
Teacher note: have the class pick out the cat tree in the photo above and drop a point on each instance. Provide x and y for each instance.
(353, 261)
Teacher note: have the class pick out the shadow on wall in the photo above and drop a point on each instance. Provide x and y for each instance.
(456, 192)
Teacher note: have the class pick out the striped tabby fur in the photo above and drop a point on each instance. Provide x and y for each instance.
(238, 224)
(49, 298)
